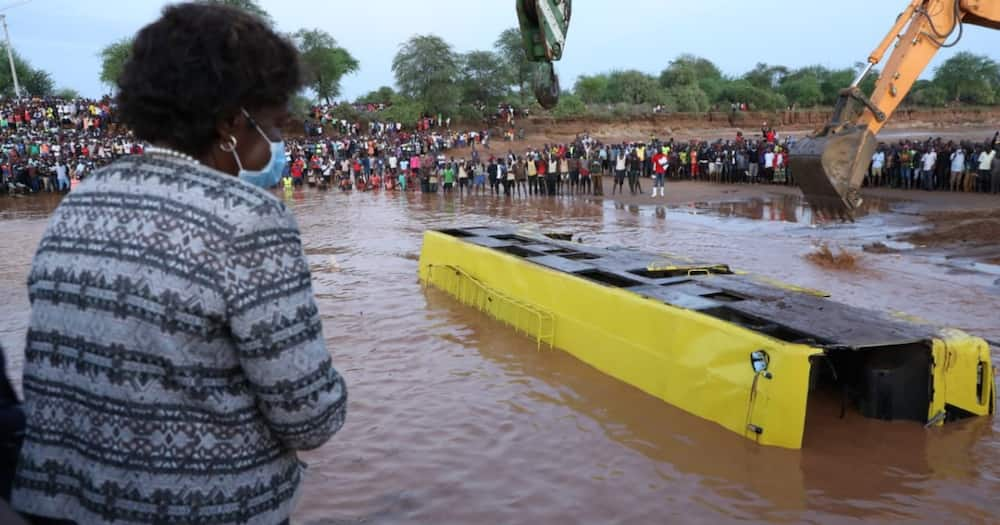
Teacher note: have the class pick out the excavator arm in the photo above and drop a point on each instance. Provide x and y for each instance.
(830, 166)
(544, 24)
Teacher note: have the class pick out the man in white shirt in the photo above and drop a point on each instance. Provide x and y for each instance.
(927, 164)
(957, 169)
(985, 161)
(769, 166)
(393, 164)
(62, 176)
(995, 172)
(878, 162)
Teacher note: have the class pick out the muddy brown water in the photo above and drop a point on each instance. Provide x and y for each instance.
(455, 419)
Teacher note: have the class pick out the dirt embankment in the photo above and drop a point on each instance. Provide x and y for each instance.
(806, 119)
(959, 121)
(976, 227)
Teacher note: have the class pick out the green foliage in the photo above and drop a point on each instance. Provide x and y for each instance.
(742, 91)
(569, 105)
(33, 81)
(510, 48)
(688, 70)
(427, 70)
(632, 87)
(764, 76)
(382, 95)
(67, 94)
(690, 99)
(403, 109)
(324, 61)
(250, 6)
(930, 95)
(834, 82)
(346, 112)
(592, 89)
(802, 90)
(868, 83)
(970, 78)
(300, 107)
(113, 58)
(485, 78)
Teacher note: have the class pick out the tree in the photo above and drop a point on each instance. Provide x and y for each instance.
(689, 69)
(485, 78)
(803, 91)
(803, 86)
(927, 93)
(633, 87)
(967, 77)
(113, 58)
(33, 81)
(834, 82)
(325, 62)
(510, 47)
(570, 105)
(690, 98)
(403, 109)
(382, 95)
(592, 89)
(764, 76)
(300, 107)
(742, 91)
(67, 94)
(426, 69)
(250, 6)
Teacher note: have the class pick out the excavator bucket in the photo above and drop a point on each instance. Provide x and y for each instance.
(546, 85)
(829, 168)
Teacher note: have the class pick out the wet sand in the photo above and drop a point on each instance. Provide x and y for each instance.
(455, 419)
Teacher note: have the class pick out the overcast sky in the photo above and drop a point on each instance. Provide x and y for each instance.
(64, 36)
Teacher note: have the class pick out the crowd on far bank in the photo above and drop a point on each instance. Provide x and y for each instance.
(585, 166)
(46, 144)
(49, 144)
(589, 167)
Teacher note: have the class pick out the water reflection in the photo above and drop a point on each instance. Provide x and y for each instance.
(783, 208)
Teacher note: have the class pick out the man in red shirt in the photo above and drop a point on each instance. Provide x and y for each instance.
(297, 168)
(660, 170)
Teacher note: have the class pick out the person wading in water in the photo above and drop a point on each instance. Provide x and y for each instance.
(175, 359)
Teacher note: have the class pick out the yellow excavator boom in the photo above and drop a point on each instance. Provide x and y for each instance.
(830, 165)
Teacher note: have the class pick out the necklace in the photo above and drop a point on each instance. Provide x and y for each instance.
(167, 152)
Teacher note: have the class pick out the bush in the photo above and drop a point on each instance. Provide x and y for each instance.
(690, 98)
(932, 96)
(403, 109)
(757, 98)
(569, 105)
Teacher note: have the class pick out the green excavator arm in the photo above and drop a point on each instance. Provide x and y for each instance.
(544, 24)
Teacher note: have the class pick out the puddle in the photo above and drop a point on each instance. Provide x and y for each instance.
(786, 208)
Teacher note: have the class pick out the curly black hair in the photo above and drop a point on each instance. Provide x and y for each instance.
(199, 64)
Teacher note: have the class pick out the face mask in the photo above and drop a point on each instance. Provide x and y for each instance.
(268, 176)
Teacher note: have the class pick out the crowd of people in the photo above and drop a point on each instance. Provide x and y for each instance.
(583, 167)
(586, 166)
(938, 165)
(49, 144)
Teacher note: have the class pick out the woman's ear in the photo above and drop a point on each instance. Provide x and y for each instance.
(226, 127)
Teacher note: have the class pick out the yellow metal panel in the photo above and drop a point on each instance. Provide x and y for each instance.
(959, 359)
(693, 361)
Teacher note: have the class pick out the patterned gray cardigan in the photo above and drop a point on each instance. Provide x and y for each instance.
(175, 358)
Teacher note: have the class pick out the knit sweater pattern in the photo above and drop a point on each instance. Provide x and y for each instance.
(175, 358)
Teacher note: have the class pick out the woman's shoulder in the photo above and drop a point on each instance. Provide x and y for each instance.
(189, 185)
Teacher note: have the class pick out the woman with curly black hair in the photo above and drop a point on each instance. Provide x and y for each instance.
(175, 359)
